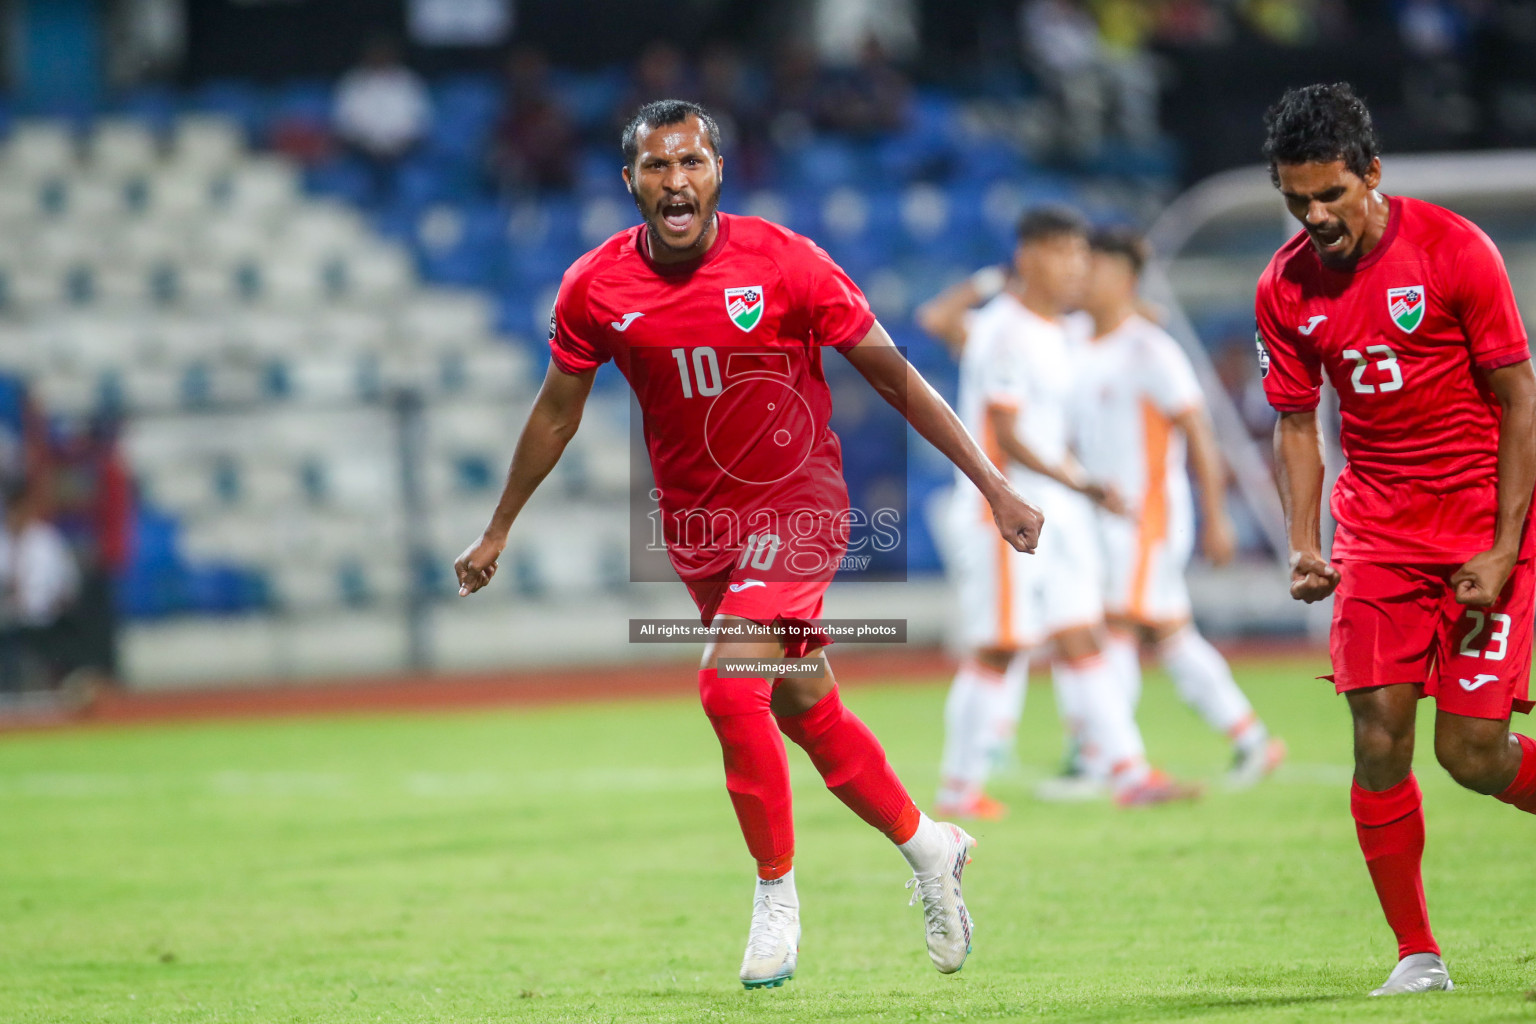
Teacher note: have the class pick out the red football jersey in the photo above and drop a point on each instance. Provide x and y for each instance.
(1406, 339)
(724, 354)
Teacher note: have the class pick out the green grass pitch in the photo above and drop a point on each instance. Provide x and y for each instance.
(582, 864)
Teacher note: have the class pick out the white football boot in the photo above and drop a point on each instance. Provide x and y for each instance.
(1417, 972)
(773, 946)
(945, 918)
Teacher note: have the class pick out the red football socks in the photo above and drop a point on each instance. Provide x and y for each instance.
(756, 767)
(1522, 792)
(853, 765)
(1390, 827)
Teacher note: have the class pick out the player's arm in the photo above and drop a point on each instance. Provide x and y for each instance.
(1479, 582)
(1299, 472)
(1218, 536)
(943, 316)
(899, 383)
(551, 424)
(1068, 472)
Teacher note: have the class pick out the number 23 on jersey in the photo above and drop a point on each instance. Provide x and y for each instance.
(1387, 375)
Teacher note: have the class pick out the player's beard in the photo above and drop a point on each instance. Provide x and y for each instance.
(705, 208)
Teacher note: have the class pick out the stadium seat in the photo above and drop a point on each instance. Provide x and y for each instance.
(259, 187)
(40, 149)
(379, 272)
(208, 143)
(95, 197)
(122, 146)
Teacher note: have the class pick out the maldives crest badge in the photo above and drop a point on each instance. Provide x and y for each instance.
(1406, 306)
(745, 306)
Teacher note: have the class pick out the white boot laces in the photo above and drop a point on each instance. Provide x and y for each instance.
(771, 921)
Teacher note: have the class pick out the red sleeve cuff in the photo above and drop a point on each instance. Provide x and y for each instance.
(1509, 357)
(856, 334)
(1290, 406)
(569, 363)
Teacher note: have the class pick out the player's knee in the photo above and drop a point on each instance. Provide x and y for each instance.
(1379, 746)
(728, 696)
(994, 659)
(795, 695)
(1477, 766)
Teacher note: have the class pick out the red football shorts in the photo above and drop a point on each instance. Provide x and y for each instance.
(1401, 624)
(789, 602)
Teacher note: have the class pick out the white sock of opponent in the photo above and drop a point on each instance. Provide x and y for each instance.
(1204, 681)
(1069, 708)
(999, 701)
(1125, 658)
(962, 767)
(1112, 744)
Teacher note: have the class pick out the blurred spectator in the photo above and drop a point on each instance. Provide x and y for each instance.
(1431, 29)
(868, 99)
(795, 95)
(535, 141)
(382, 112)
(38, 577)
(661, 73)
(1191, 23)
(94, 502)
(1125, 28)
(1093, 81)
(1287, 22)
(727, 91)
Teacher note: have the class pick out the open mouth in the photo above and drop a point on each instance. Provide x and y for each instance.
(1331, 243)
(678, 215)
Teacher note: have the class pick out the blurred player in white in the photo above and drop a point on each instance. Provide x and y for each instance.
(1139, 411)
(1016, 385)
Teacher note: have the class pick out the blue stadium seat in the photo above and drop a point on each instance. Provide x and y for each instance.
(823, 163)
(424, 180)
(307, 100)
(155, 106)
(340, 177)
(590, 96)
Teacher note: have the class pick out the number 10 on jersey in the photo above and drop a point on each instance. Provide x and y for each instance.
(706, 371)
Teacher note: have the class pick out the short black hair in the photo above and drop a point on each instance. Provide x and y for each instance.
(1051, 221)
(662, 112)
(1129, 245)
(1320, 124)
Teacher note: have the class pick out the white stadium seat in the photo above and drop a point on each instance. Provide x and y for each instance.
(178, 192)
(95, 197)
(382, 271)
(287, 280)
(121, 147)
(39, 149)
(252, 336)
(206, 142)
(351, 328)
(262, 186)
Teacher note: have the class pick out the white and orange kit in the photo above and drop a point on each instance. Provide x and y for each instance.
(1131, 384)
(1018, 360)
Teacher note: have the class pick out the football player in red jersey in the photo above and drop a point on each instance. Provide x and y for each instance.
(1408, 311)
(718, 323)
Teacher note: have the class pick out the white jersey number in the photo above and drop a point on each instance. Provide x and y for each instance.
(1499, 636)
(760, 551)
(1386, 362)
(706, 371)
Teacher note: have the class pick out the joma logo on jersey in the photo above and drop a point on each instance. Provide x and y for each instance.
(1406, 306)
(745, 306)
